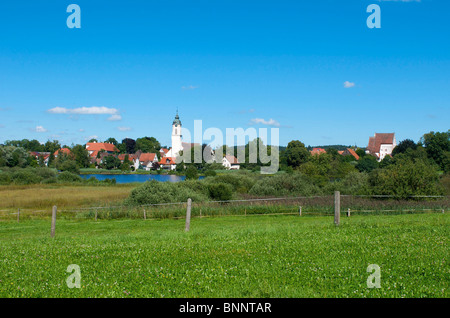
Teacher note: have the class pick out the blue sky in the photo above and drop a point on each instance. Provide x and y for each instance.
(229, 63)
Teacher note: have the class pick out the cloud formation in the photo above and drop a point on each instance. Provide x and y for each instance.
(348, 84)
(270, 122)
(40, 129)
(94, 110)
(190, 87)
(124, 128)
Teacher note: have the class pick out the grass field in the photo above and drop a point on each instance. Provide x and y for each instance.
(253, 256)
(66, 196)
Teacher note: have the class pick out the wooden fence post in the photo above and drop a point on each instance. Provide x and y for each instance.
(348, 212)
(96, 213)
(145, 215)
(188, 215)
(300, 211)
(53, 220)
(337, 207)
(18, 215)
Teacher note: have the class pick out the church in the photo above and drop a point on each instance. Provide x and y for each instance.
(169, 156)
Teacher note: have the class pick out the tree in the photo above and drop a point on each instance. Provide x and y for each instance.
(437, 146)
(405, 178)
(130, 145)
(93, 140)
(111, 140)
(191, 173)
(52, 146)
(148, 144)
(296, 153)
(403, 146)
(111, 162)
(367, 164)
(81, 156)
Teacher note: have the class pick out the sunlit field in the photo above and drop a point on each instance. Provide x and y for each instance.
(233, 256)
(45, 196)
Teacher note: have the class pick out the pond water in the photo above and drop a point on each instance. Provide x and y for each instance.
(128, 178)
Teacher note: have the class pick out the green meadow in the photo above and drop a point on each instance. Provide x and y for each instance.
(231, 256)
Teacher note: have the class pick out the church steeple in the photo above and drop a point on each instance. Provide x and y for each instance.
(177, 121)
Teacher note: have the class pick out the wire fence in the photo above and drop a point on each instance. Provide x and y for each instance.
(300, 205)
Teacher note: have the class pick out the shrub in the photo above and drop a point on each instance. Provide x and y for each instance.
(220, 191)
(68, 177)
(153, 192)
(5, 178)
(191, 173)
(25, 176)
(284, 185)
(210, 173)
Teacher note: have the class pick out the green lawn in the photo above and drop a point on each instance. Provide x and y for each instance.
(253, 256)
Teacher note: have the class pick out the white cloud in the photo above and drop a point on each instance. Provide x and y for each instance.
(124, 128)
(115, 117)
(81, 130)
(94, 110)
(190, 87)
(40, 129)
(270, 122)
(348, 84)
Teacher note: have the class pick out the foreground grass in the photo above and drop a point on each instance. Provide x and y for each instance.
(255, 256)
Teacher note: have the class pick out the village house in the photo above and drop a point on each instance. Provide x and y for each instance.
(381, 145)
(167, 163)
(94, 148)
(230, 162)
(147, 160)
(349, 152)
(317, 151)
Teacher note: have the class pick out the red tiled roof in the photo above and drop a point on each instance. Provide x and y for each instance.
(97, 146)
(317, 151)
(145, 157)
(62, 150)
(232, 159)
(167, 161)
(353, 153)
(379, 139)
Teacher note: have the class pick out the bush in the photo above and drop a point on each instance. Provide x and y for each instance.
(25, 176)
(284, 185)
(210, 173)
(45, 173)
(220, 191)
(68, 177)
(153, 192)
(240, 182)
(191, 173)
(406, 178)
(5, 178)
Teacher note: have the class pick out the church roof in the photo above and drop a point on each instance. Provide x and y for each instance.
(177, 120)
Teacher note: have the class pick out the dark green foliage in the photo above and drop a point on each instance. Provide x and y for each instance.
(367, 164)
(191, 173)
(405, 178)
(153, 192)
(220, 191)
(285, 185)
(296, 153)
(25, 176)
(68, 177)
(403, 146)
(69, 165)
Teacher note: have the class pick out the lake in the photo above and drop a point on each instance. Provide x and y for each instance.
(129, 178)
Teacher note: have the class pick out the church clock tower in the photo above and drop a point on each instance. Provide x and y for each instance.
(176, 136)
